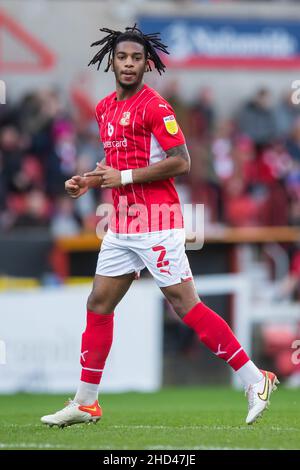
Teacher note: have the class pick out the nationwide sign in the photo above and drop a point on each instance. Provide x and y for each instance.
(227, 42)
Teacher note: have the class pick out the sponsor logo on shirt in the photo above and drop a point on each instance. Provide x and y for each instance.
(163, 106)
(115, 143)
(125, 119)
(171, 124)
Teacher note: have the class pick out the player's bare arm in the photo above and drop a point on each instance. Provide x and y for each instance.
(79, 185)
(178, 164)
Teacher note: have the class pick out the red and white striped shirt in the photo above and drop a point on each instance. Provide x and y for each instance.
(136, 133)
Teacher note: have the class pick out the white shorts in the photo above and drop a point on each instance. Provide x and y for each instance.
(163, 253)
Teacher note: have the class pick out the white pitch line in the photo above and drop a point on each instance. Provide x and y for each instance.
(199, 428)
(34, 445)
(203, 448)
(183, 427)
(30, 445)
(14, 425)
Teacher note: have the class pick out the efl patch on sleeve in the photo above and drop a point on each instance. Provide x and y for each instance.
(171, 124)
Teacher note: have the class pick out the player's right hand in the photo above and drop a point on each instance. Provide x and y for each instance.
(76, 186)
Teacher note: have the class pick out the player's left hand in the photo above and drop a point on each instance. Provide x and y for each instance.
(111, 178)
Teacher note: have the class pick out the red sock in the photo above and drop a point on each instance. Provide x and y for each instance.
(214, 332)
(95, 345)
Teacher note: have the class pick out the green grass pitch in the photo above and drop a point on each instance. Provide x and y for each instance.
(173, 418)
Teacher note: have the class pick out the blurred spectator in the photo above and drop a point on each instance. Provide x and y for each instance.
(222, 150)
(241, 208)
(257, 118)
(293, 141)
(11, 156)
(61, 161)
(35, 211)
(172, 95)
(63, 222)
(40, 148)
(285, 115)
(202, 114)
(246, 170)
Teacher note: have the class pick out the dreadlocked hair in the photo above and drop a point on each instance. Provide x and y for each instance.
(151, 43)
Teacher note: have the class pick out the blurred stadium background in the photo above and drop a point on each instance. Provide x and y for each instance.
(229, 79)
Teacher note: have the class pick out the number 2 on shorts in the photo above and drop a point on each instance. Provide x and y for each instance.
(161, 263)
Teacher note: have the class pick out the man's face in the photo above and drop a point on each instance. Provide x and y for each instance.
(129, 64)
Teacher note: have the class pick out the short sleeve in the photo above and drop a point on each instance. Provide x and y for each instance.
(160, 119)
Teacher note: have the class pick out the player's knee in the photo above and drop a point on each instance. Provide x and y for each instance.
(177, 304)
(99, 304)
(182, 304)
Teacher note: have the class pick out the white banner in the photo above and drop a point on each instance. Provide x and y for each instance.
(40, 335)
(41, 332)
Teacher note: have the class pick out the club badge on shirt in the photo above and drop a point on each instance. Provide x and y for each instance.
(171, 124)
(125, 119)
